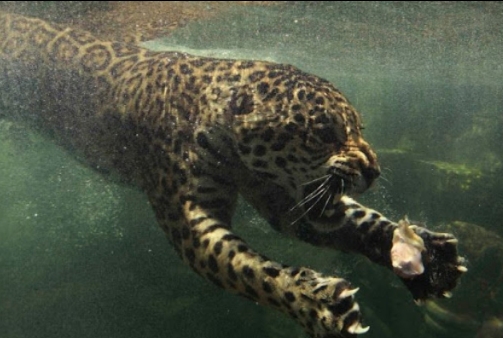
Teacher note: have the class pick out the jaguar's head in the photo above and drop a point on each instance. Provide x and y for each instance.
(301, 134)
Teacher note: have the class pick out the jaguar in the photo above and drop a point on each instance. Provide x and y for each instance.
(193, 133)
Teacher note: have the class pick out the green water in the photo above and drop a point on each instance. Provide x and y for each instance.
(82, 257)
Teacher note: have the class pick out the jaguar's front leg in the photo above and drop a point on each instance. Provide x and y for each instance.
(427, 262)
(323, 305)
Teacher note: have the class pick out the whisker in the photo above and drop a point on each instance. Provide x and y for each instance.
(383, 177)
(309, 197)
(311, 207)
(312, 194)
(326, 203)
(316, 179)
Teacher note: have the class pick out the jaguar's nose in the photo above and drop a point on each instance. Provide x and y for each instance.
(370, 174)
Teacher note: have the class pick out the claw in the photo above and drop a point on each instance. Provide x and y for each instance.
(462, 269)
(348, 293)
(447, 294)
(357, 328)
(452, 241)
(320, 287)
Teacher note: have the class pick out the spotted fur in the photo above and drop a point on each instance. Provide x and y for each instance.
(195, 132)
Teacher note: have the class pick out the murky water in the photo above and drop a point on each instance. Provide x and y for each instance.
(81, 256)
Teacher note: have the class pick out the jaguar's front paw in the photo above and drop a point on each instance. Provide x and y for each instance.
(327, 308)
(442, 266)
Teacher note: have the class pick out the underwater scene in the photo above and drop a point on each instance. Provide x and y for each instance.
(81, 255)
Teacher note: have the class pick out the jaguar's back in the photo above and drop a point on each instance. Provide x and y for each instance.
(87, 93)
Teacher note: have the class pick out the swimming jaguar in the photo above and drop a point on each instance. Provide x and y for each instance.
(194, 132)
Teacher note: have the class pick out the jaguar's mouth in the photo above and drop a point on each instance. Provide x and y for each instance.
(321, 196)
